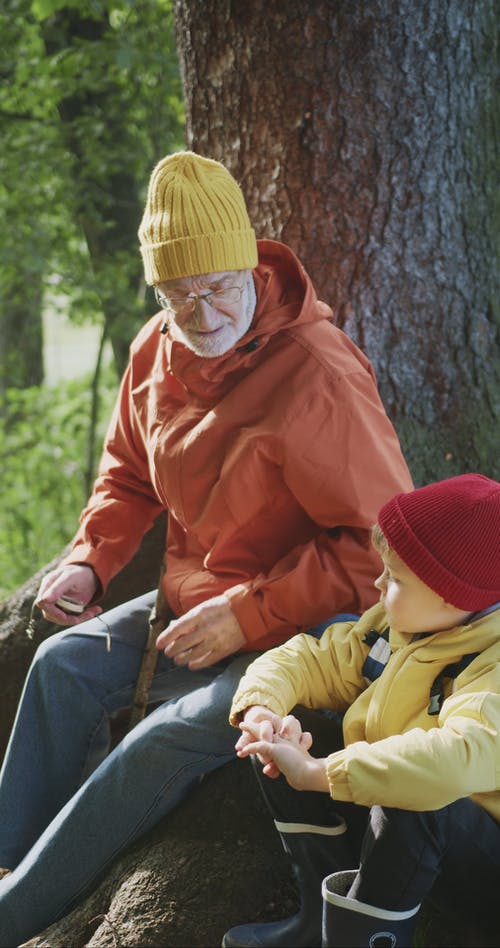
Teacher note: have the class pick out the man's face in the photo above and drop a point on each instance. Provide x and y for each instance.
(210, 312)
(410, 605)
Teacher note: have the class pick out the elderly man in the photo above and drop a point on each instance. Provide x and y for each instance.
(256, 424)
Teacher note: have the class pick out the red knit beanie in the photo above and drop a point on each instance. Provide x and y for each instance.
(448, 534)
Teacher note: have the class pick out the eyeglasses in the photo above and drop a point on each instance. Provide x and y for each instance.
(214, 298)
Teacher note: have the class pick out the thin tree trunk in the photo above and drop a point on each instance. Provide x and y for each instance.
(21, 331)
(94, 412)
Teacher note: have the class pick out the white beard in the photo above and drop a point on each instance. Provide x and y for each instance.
(211, 346)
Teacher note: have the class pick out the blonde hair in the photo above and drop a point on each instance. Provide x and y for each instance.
(379, 540)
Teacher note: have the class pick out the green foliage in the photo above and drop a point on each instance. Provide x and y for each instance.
(91, 99)
(43, 456)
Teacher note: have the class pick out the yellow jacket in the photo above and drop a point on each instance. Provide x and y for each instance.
(396, 753)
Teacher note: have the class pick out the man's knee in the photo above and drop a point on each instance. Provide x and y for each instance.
(50, 652)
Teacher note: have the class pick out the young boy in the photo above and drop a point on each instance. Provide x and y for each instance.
(407, 806)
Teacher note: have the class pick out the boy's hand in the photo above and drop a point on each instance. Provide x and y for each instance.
(263, 725)
(291, 757)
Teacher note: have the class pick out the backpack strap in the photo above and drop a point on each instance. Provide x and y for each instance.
(378, 656)
(452, 670)
(380, 653)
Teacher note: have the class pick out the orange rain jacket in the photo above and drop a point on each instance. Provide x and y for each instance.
(272, 461)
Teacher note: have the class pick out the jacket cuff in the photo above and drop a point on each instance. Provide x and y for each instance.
(249, 698)
(247, 613)
(338, 778)
(85, 555)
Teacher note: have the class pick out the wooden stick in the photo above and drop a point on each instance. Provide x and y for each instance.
(159, 617)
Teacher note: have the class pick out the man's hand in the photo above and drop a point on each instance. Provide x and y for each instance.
(203, 636)
(77, 582)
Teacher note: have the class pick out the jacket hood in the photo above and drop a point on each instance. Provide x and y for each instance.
(285, 299)
(285, 294)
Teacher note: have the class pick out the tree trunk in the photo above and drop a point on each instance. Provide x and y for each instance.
(21, 333)
(217, 863)
(365, 135)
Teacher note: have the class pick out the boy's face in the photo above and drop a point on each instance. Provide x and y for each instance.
(410, 605)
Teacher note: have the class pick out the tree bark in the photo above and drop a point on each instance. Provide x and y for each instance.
(215, 863)
(365, 135)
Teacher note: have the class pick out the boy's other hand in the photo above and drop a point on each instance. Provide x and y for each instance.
(262, 725)
(290, 757)
(259, 724)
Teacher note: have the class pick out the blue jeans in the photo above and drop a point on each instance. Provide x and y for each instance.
(62, 792)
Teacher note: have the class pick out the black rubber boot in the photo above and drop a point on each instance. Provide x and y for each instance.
(348, 923)
(314, 851)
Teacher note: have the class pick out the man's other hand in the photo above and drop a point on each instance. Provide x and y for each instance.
(78, 583)
(203, 636)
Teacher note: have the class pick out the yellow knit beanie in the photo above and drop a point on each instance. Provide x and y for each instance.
(195, 220)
